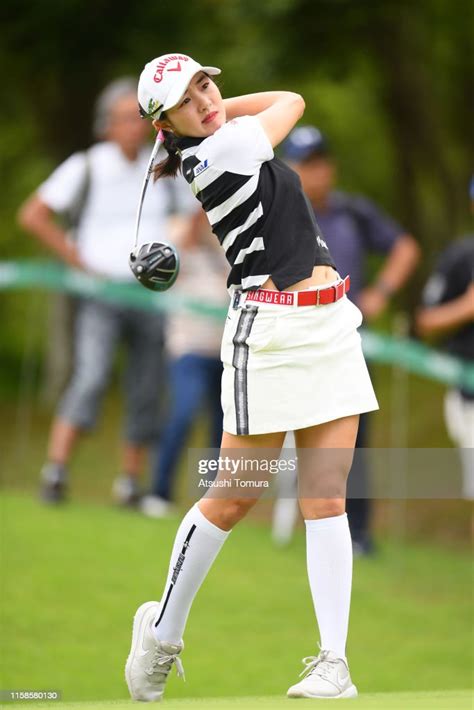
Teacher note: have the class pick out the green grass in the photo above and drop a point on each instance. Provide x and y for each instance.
(454, 700)
(73, 577)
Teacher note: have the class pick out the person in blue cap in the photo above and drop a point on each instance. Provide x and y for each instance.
(354, 228)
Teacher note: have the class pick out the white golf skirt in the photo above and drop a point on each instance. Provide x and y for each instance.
(288, 368)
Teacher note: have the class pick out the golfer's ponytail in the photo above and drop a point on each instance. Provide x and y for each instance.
(172, 164)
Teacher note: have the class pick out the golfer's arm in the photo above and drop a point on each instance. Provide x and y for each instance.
(251, 104)
(278, 111)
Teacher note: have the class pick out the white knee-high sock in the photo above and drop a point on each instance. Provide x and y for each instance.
(329, 562)
(196, 546)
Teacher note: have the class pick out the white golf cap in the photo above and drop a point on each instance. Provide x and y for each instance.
(165, 80)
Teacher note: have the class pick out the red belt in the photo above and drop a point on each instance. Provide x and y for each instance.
(317, 297)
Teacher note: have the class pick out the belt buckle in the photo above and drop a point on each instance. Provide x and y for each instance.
(337, 292)
(236, 300)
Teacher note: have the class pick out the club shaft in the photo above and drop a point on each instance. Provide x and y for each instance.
(144, 187)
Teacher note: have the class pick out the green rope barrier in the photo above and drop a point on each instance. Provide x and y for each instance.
(418, 359)
(15, 275)
(407, 354)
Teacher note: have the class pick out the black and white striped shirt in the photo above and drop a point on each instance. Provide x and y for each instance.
(255, 205)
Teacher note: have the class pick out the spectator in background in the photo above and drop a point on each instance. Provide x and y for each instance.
(193, 341)
(353, 228)
(103, 184)
(448, 311)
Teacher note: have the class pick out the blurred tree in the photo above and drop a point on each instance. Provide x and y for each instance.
(414, 56)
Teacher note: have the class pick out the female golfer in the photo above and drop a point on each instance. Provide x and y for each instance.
(291, 353)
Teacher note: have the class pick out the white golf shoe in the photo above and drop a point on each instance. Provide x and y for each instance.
(150, 661)
(326, 676)
(156, 507)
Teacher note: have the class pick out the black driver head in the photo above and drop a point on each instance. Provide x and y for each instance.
(155, 265)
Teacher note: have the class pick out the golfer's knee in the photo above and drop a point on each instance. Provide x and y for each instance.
(316, 509)
(226, 513)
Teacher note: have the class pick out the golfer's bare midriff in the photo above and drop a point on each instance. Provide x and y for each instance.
(321, 275)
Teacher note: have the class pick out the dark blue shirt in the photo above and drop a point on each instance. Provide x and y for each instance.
(354, 227)
(451, 277)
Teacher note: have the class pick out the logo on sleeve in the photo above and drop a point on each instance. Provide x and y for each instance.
(201, 167)
(321, 242)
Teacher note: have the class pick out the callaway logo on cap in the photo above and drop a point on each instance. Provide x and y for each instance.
(165, 80)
